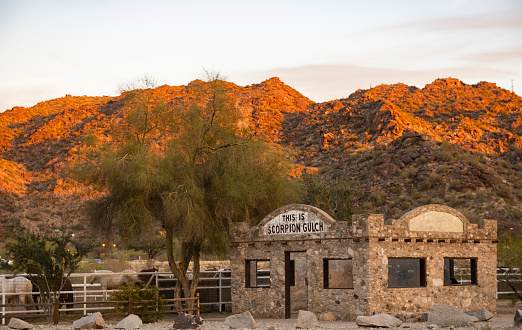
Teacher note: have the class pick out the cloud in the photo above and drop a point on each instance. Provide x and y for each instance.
(509, 19)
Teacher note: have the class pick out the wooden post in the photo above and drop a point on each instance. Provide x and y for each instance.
(56, 311)
(197, 295)
(129, 309)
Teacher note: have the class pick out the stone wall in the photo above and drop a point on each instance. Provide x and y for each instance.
(369, 242)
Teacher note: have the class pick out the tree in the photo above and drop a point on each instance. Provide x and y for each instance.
(153, 245)
(193, 173)
(336, 197)
(509, 250)
(50, 259)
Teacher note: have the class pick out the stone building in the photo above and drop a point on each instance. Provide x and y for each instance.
(299, 258)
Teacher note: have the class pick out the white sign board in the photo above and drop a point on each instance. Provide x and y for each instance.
(294, 222)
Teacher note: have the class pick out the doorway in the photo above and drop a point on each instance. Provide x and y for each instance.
(296, 283)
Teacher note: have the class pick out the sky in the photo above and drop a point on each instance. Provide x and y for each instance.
(325, 49)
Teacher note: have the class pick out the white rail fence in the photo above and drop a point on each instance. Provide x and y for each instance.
(213, 288)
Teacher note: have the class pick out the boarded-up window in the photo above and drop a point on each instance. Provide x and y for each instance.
(257, 273)
(460, 271)
(338, 273)
(406, 272)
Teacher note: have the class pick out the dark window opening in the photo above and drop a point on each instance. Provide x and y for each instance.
(257, 273)
(338, 273)
(406, 273)
(460, 271)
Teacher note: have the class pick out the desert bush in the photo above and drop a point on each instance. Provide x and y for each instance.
(444, 168)
(515, 213)
(147, 302)
(378, 197)
(431, 182)
(471, 216)
(408, 172)
(505, 192)
(421, 160)
(518, 193)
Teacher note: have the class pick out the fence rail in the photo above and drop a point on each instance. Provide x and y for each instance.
(213, 290)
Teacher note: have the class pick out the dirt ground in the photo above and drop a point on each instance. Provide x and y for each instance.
(216, 321)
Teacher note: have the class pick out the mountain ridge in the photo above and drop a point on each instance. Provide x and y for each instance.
(449, 142)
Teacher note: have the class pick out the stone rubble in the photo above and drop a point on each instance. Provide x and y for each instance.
(306, 320)
(481, 314)
(187, 321)
(381, 320)
(517, 320)
(15, 323)
(446, 316)
(94, 321)
(241, 321)
(130, 322)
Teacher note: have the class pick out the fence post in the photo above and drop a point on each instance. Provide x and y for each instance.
(197, 300)
(129, 309)
(84, 294)
(56, 311)
(3, 299)
(220, 306)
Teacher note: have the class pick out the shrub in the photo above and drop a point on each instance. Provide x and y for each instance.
(432, 181)
(378, 197)
(147, 303)
(409, 172)
(421, 160)
(471, 216)
(444, 168)
(505, 192)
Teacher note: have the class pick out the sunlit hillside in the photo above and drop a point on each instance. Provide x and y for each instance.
(447, 143)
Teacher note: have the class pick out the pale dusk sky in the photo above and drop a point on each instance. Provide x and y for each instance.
(325, 49)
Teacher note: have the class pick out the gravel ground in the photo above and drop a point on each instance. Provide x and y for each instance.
(499, 322)
(503, 320)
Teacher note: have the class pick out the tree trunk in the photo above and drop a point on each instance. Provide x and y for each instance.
(190, 250)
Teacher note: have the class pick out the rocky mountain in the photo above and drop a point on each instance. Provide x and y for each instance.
(448, 143)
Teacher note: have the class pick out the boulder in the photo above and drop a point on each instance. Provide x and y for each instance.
(328, 316)
(382, 320)
(241, 321)
(130, 322)
(15, 323)
(187, 321)
(481, 314)
(518, 319)
(94, 321)
(306, 320)
(448, 316)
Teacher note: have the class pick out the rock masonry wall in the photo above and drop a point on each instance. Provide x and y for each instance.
(369, 242)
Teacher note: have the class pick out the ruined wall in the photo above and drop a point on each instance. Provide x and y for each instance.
(430, 233)
(334, 243)
(438, 232)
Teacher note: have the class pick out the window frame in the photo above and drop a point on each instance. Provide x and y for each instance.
(423, 283)
(326, 274)
(473, 264)
(248, 273)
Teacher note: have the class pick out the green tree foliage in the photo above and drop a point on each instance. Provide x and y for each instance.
(509, 252)
(337, 197)
(146, 301)
(152, 245)
(50, 259)
(192, 174)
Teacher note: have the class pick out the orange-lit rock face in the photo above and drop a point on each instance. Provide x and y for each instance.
(387, 138)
